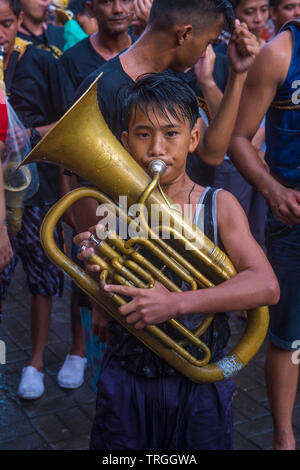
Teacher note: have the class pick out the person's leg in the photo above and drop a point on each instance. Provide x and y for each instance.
(122, 409)
(283, 249)
(77, 347)
(281, 381)
(44, 281)
(40, 313)
(205, 417)
(71, 373)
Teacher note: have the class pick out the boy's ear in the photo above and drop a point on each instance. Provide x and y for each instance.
(124, 140)
(20, 19)
(195, 137)
(272, 13)
(182, 33)
(89, 8)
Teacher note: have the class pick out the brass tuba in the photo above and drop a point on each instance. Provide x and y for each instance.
(82, 143)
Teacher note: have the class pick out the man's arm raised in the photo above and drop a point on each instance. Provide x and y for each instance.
(242, 50)
(266, 75)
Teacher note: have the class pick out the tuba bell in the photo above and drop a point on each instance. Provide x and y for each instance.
(82, 142)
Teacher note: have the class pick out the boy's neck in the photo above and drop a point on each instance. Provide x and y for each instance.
(149, 54)
(175, 188)
(35, 28)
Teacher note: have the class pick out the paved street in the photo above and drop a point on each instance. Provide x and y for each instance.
(62, 419)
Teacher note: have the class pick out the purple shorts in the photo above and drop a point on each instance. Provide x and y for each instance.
(171, 413)
(42, 276)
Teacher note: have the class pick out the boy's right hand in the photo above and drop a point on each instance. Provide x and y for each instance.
(242, 49)
(204, 68)
(82, 239)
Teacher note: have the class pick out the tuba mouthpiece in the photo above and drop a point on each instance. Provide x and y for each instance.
(157, 166)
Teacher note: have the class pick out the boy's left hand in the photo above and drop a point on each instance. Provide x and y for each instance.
(148, 306)
(242, 48)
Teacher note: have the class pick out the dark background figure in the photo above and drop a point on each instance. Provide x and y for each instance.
(40, 94)
(34, 27)
(282, 11)
(112, 37)
(270, 90)
(255, 14)
(83, 17)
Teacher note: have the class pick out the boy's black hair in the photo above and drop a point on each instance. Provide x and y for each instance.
(15, 6)
(275, 3)
(77, 6)
(235, 3)
(167, 93)
(166, 13)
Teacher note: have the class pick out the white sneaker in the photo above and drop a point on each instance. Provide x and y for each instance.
(31, 385)
(71, 375)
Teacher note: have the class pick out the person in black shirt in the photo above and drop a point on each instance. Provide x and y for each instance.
(164, 409)
(171, 43)
(40, 94)
(83, 17)
(112, 37)
(35, 29)
(113, 19)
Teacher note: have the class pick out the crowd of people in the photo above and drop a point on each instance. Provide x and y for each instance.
(212, 88)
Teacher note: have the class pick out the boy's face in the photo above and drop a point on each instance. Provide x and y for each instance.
(160, 137)
(112, 15)
(37, 10)
(286, 10)
(9, 24)
(192, 45)
(254, 13)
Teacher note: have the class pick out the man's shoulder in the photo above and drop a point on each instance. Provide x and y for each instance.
(276, 49)
(111, 77)
(40, 58)
(71, 54)
(273, 61)
(56, 31)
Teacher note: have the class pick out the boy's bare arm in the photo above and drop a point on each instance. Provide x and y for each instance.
(254, 285)
(241, 53)
(267, 74)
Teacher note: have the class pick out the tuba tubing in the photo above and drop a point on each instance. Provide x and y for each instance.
(97, 156)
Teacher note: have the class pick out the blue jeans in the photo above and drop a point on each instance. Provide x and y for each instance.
(283, 248)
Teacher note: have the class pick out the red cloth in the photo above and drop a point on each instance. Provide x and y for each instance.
(3, 116)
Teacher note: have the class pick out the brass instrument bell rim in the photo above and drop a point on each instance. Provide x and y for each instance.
(28, 177)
